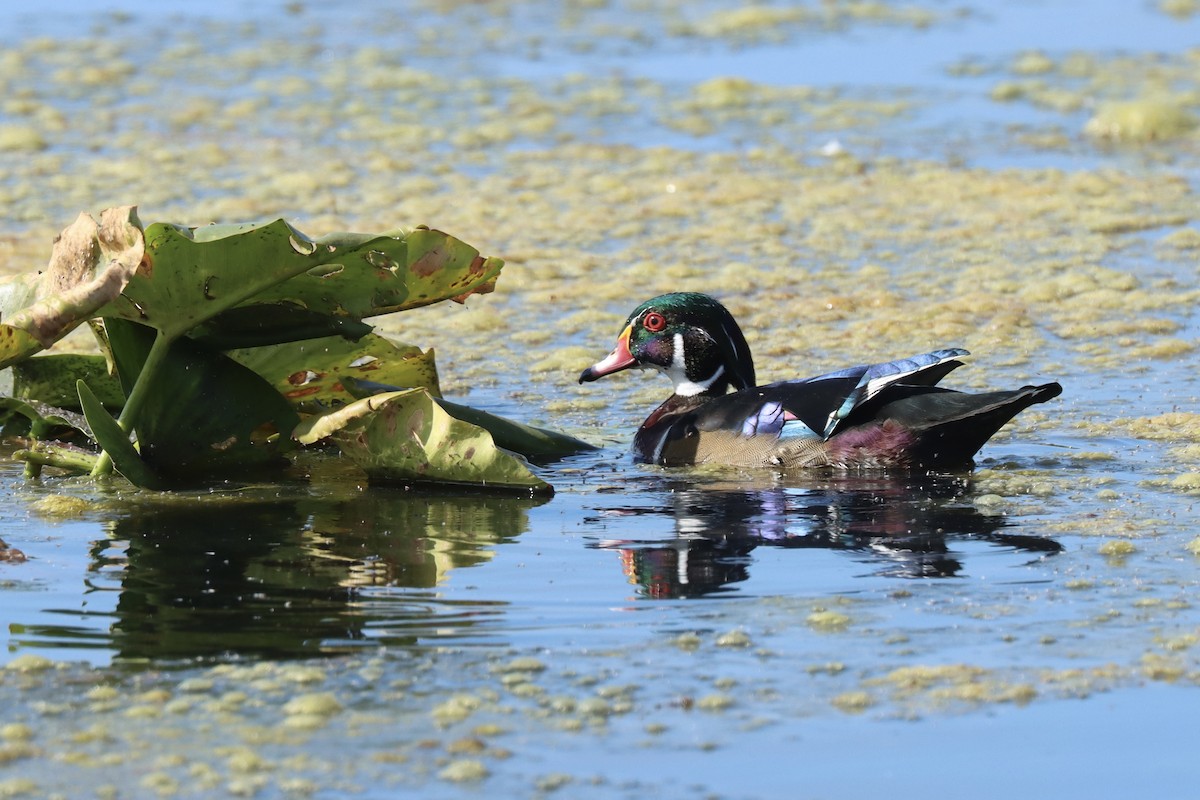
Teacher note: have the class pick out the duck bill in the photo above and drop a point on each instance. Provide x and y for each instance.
(620, 358)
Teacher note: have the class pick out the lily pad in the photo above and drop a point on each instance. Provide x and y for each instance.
(249, 285)
(191, 274)
(397, 271)
(313, 374)
(536, 444)
(276, 323)
(407, 438)
(204, 413)
(51, 379)
(37, 419)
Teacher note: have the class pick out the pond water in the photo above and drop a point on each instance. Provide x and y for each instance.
(858, 182)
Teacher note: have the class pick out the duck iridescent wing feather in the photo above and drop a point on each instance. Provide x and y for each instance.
(815, 407)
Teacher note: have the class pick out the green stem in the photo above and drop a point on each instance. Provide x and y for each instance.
(43, 454)
(137, 396)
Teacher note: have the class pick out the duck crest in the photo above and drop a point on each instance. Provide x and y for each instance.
(870, 416)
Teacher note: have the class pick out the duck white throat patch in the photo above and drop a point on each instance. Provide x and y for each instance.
(677, 372)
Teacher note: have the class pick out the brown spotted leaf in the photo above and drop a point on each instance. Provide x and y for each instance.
(90, 265)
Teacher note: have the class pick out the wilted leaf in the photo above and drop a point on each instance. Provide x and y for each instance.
(311, 373)
(406, 437)
(89, 267)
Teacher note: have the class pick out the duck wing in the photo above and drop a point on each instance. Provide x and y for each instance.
(816, 408)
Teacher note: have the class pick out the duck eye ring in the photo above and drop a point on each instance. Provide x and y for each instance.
(654, 322)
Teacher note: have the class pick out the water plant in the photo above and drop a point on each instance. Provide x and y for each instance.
(224, 348)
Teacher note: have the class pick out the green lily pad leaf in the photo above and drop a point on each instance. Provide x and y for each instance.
(312, 374)
(89, 267)
(402, 270)
(407, 438)
(537, 444)
(115, 441)
(205, 414)
(191, 274)
(278, 323)
(52, 379)
(196, 276)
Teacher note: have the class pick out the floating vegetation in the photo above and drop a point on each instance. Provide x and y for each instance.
(1141, 121)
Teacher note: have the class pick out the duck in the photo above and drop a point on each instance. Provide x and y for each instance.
(884, 416)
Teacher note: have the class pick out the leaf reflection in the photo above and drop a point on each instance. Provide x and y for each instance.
(213, 579)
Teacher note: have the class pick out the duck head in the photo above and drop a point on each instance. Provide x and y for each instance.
(689, 337)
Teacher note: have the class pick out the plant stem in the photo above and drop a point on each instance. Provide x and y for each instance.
(137, 396)
(43, 454)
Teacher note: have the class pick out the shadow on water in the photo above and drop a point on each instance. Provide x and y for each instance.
(287, 578)
(905, 527)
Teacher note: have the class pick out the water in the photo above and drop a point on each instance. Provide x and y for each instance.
(645, 631)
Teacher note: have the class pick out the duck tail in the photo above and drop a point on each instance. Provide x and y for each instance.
(952, 426)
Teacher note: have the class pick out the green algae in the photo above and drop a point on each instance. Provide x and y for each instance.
(1117, 547)
(854, 702)
(826, 620)
(734, 638)
(29, 663)
(715, 702)
(21, 138)
(1141, 121)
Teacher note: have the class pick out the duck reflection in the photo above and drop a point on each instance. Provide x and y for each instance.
(284, 579)
(903, 527)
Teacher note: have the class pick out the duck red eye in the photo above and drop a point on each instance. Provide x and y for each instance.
(654, 322)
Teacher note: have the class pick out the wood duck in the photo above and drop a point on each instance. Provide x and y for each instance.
(890, 415)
